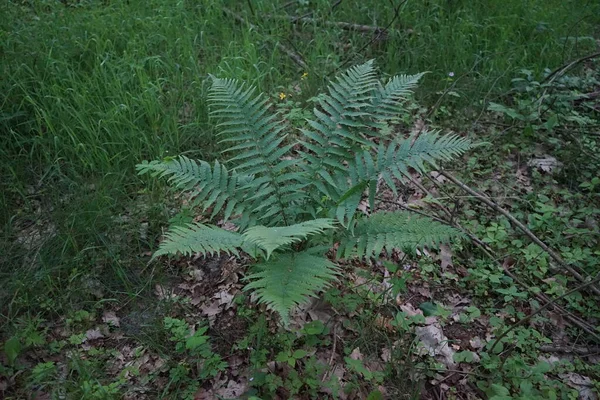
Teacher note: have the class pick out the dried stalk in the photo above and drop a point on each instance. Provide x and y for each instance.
(489, 202)
(343, 25)
(294, 56)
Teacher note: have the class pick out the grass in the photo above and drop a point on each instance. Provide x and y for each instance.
(90, 89)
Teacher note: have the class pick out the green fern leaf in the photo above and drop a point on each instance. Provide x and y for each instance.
(393, 230)
(290, 279)
(182, 172)
(258, 149)
(389, 99)
(211, 186)
(271, 238)
(198, 238)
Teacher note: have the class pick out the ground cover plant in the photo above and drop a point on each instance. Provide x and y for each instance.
(280, 199)
(89, 89)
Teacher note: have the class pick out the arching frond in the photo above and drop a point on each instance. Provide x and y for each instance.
(388, 100)
(214, 187)
(271, 238)
(257, 148)
(198, 238)
(285, 281)
(393, 230)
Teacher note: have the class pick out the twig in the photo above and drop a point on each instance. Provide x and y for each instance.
(330, 362)
(574, 320)
(580, 350)
(343, 25)
(555, 256)
(560, 71)
(376, 37)
(294, 56)
(539, 310)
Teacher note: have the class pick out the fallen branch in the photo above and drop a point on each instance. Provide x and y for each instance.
(580, 350)
(294, 56)
(343, 25)
(560, 71)
(489, 202)
(543, 299)
(539, 310)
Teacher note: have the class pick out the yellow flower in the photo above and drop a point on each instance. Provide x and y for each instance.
(282, 96)
(304, 75)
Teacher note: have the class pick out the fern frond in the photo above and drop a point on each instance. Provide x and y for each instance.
(199, 238)
(214, 186)
(343, 119)
(388, 100)
(258, 149)
(393, 230)
(271, 238)
(182, 172)
(289, 279)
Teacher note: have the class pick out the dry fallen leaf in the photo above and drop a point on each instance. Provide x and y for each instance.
(356, 354)
(93, 334)
(110, 318)
(445, 257)
(435, 343)
(233, 390)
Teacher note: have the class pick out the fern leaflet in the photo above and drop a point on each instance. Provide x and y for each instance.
(289, 279)
(393, 230)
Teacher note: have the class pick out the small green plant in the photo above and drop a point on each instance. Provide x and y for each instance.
(291, 201)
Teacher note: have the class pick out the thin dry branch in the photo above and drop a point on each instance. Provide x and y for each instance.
(342, 25)
(554, 255)
(539, 310)
(294, 56)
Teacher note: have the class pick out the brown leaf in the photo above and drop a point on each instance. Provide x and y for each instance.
(212, 309)
(445, 257)
(233, 390)
(110, 318)
(356, 354)
(93, 334)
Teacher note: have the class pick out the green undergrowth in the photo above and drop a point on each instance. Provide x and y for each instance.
(90, 88)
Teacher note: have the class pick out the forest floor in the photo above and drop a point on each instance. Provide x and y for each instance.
(91, 89)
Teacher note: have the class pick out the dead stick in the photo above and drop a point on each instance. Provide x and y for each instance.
(486, 200)
(343, 25)
(489, 252)
(294, 56)
(539, 310)
(580, 350)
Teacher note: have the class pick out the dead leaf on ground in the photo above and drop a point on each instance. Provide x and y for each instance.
(445, 257)
(435, 343)
(110, 318)
(93, 334)
(356, 354)
(233, 390)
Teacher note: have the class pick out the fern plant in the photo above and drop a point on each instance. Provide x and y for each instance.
(290, 206)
